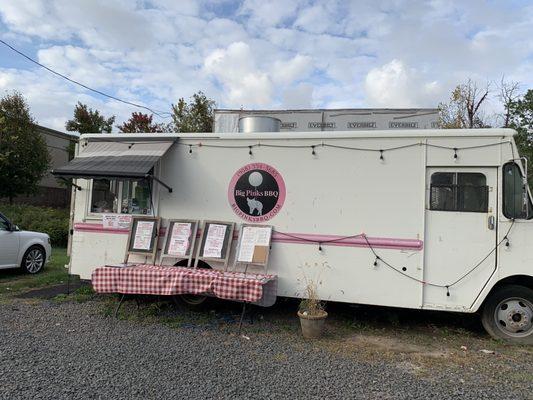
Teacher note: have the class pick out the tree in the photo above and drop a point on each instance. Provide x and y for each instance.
(195, 116)
(24, 157)
(521, 120)
(509, 93)
(87, 120)
(139, 123)
(464, 109)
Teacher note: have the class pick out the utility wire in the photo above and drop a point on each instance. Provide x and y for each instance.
(160, 114)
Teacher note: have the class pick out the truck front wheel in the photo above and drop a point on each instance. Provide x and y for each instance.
(508, 314)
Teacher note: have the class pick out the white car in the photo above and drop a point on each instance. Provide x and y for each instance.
(27, 250)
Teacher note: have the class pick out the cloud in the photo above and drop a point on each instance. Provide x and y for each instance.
(395, 85)
(302, 53)
(234, 67)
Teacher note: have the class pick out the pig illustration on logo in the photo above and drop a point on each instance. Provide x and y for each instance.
(255, 205)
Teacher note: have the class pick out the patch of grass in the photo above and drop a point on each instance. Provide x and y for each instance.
(15, 281)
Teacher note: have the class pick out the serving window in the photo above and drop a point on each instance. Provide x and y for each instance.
(121, 196)
(459, 191)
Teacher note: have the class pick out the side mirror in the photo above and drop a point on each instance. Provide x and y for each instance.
(525, 191)
(14, 228)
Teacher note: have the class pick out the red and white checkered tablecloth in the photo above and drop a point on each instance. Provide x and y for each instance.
(166, 281)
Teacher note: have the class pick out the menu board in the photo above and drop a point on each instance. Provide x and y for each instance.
(142, 238)
(143, 235)
(254, 244)
(216, 241)
(116, 221)
(179, 240)
(181, 236)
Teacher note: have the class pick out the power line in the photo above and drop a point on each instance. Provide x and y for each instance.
(161, 114)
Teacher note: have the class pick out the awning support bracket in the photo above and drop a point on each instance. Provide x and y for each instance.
(71, 183)
(160, 182)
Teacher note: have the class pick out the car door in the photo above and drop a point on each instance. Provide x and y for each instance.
(9, 245)
(461, 234)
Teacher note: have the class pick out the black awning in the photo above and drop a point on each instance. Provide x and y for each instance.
(124, 160)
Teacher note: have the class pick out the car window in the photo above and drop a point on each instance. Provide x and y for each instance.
(4, 225)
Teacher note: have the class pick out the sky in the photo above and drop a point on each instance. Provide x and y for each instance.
(260, 54)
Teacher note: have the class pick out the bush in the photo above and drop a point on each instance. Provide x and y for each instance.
(52, 221)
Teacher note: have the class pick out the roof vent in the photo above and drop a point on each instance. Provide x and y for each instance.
(259, 123)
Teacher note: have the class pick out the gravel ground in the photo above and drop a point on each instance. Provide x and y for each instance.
(71, 350)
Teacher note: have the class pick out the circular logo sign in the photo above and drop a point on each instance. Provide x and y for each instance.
(256, 192)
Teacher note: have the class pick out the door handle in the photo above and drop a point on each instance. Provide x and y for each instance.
(491, 222)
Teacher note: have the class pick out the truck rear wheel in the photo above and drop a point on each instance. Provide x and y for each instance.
(508, 314)
(195, 302)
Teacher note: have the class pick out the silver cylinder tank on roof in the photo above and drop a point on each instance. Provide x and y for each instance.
(259, 123)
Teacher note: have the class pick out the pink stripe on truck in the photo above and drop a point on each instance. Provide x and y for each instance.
(298, 238)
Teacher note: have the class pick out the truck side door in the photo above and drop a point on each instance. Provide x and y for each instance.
(460, 234)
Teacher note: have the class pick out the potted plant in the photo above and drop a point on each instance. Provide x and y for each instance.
(312, 314)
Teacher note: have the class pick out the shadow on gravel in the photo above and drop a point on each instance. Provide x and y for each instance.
(51, 292)
(344, 319)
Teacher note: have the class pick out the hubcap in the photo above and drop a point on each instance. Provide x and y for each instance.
(192, 299)
(514, 317)
(34, 261)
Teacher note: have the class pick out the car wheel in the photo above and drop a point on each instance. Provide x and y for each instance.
(33, 260)
(508, 314)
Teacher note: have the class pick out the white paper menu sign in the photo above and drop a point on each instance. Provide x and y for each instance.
(143, 235)
(214, 241)
(253, 236)
(116, 221)
(179, 239)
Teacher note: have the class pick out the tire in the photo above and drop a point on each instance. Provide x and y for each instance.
(508, 314)
(194, 302)
(33, 260)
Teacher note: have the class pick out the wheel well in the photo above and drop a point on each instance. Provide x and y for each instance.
(522, 280)
(201, 264)
(35, 245)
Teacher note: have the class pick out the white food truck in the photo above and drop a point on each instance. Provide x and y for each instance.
(423, 219)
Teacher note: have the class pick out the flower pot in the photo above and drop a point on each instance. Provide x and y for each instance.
(312, 325)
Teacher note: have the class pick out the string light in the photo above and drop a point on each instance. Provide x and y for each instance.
(190, 149)
(319, 246)
(455, 153)
(381, 155)
(313, 152)
(447, 291)
(250, 150)
(376, 261)
(507, 243)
